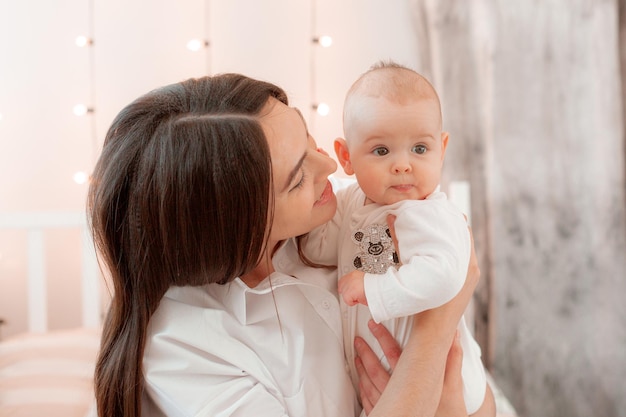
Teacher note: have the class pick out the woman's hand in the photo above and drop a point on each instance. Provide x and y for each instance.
(451, 403)
(373, 377)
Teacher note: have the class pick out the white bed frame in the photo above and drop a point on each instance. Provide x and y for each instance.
(36, 223)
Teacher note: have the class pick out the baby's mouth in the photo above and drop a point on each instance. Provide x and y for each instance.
(402, 187)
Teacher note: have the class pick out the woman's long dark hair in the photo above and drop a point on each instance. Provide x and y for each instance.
(181, 195)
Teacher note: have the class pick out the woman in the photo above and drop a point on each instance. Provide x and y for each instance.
(194, 202)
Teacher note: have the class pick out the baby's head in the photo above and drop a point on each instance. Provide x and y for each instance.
(394, 142)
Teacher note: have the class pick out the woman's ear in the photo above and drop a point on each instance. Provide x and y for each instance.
(343, 155)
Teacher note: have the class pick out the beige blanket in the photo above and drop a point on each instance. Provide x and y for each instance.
(48, 374)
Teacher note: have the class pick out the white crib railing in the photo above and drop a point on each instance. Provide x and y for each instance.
(36, 223)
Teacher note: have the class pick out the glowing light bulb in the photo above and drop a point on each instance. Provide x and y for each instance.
(81, 110)
(322, 109)
(82, 41)
(195, 45)
(80, 177)
(324, 41)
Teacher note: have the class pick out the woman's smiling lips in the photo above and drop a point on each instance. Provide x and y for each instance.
(326, 195)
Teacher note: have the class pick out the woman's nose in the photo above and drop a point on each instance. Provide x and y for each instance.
(322, 151)
(327, 165)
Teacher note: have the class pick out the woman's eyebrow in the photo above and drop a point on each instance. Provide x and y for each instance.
(294, 171)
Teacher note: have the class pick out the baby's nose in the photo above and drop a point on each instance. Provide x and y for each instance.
(401, 166)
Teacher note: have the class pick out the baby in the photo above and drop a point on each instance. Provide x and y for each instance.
(395, 146)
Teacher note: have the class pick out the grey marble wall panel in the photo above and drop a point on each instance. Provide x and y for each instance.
(533, 97)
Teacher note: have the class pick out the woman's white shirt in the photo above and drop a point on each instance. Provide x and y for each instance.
(230, 350)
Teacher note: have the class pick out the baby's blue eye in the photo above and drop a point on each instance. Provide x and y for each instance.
(381, 151)
(419, 149)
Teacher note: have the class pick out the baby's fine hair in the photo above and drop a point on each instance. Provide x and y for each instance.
(390, 80)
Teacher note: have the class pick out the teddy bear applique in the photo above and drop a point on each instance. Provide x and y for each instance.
(376, 251)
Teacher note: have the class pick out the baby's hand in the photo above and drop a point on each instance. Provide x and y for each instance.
(352, 288)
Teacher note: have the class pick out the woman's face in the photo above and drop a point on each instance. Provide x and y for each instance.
(303, 195)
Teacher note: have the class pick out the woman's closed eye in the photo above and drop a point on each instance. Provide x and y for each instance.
(300, 182)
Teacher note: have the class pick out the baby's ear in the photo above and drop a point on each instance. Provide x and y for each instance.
(444, 144)
(343, 155)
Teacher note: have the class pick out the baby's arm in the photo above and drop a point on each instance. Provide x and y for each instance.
(434, 248)
(320, 245)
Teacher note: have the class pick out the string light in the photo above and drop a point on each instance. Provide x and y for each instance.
(82, 41)
(80, 177)
(81, 110)
(322, 109)
(195, 45)
(324, 41)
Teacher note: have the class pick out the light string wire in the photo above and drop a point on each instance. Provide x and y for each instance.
(313, 67)
(207, 35)
(92, 81)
